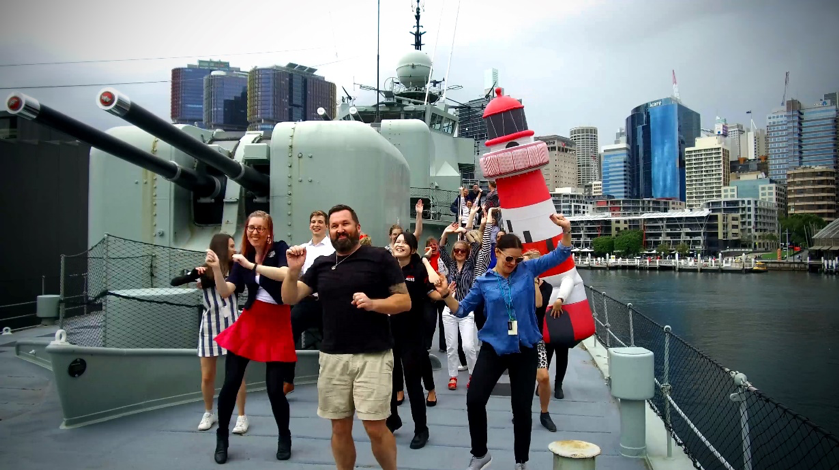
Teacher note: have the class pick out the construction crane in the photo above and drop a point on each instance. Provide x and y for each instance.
(676, 88)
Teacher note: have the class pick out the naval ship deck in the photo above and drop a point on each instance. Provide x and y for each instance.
(30, 415)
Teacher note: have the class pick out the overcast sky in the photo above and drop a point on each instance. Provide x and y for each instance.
(572, 62)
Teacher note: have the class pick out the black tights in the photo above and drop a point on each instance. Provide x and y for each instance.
(412, 356)
(522, 369)
(427, 373)
(561, 362)
(234, 373)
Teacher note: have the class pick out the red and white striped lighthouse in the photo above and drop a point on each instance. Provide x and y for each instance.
(514, 161)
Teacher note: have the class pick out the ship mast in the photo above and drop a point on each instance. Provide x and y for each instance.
(417, 34)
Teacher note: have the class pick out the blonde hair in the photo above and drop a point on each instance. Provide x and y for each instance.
(531, 254)
(366, 241)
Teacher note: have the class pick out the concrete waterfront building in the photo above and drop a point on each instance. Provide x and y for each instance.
(706, 170)
(756, 185)
(585, 140)
(657, 134)
(812, 190)
(757, 219)
(594, 188)
(704, 232)
(561, 172)
(735, 140)
(572, 201)
(625, 207)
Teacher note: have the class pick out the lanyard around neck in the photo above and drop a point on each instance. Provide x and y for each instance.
(507, 295)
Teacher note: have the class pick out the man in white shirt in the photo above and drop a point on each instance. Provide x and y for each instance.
(309, 313)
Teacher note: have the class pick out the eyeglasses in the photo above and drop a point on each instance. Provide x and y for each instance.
(253, 228)
(459, 250)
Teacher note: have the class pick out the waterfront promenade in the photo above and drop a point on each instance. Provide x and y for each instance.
(706, 265)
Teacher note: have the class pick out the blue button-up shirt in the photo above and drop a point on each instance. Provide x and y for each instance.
(489, 290)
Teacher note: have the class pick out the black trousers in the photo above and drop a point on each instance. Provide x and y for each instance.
(399, 372)
(412, 357)
(306, 315)
(561, 362)
(488, 369)
(275, 374)
(442, 337)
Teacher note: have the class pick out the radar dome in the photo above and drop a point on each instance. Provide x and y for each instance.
(413, 69)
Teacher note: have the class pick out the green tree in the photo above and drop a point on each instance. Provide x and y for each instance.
(801, 228)
(663, 250)
(603, 245)
(682, 249)
(629, 242)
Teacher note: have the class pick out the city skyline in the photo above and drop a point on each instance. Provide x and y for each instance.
(532, 69)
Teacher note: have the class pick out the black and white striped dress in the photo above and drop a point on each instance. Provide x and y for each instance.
(219, 313)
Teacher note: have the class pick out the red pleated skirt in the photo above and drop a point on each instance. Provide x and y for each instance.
(262, 333)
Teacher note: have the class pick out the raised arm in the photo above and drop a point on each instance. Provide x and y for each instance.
(473, 300)
(558, 255)
(224, 288)
(191, 276)
(293, 290)
(485, 252)
(271, 272)
(418, 228)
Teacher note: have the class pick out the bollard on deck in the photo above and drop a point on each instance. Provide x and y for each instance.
(631, 371)
(47, 308)
(574, 455)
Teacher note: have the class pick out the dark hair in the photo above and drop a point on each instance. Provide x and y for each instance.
(429, 240)
(507, 241)
(492, 184)
(342, 207)
(318, 213)
(410, 240)
(218, 244)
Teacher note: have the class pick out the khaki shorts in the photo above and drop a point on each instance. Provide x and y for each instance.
(349, 383)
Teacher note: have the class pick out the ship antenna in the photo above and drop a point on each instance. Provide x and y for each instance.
(417, 34)
(451, 51)
(378, 43)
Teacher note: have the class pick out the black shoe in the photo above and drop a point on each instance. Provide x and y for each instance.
(222, 442)
(393, 423)
(558, 393)
(284, 448)
(430, 403)
(547, 422)
(419, 440)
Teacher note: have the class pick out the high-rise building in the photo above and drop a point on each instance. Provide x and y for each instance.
(706, 170)
(753, 147)
(187, 93)
(812, 190)
(561, 172)
(617, 171)
(490, 80)
(802, 136)
(593, 188)
(289, 93)
(620, 136)
(226, 101)
(472, 124)
(657, 134)
(585, 140)
(735, 140)
(757, 219)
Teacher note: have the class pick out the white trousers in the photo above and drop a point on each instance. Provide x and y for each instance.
(469, 336)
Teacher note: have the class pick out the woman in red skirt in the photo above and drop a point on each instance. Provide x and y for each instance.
(262, 333)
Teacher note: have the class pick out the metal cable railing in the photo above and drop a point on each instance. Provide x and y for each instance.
(720, 419)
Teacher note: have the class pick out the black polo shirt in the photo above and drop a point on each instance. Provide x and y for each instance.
(348, 329)
(408, 326)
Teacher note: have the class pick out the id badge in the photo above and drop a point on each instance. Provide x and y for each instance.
(512, 328)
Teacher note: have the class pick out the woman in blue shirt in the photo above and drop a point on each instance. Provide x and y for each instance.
(509, 337)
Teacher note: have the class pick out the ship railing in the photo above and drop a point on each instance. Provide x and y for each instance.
(441, 200)
(713, 413)
(118, 294)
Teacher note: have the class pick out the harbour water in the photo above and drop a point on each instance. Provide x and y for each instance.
(779, 328)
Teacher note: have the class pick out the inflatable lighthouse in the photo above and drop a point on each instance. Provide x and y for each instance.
(514, 161)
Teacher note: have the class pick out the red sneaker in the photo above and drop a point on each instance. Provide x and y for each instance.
(453, 383)
(469, 382)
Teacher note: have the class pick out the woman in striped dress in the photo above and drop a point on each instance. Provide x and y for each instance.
(219, 313)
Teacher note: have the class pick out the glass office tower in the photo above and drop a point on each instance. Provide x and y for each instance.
(657, 134)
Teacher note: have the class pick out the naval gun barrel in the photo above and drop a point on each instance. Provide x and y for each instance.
(120, 105)
(29, 108)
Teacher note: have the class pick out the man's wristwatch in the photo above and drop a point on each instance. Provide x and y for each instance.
(446, 296)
